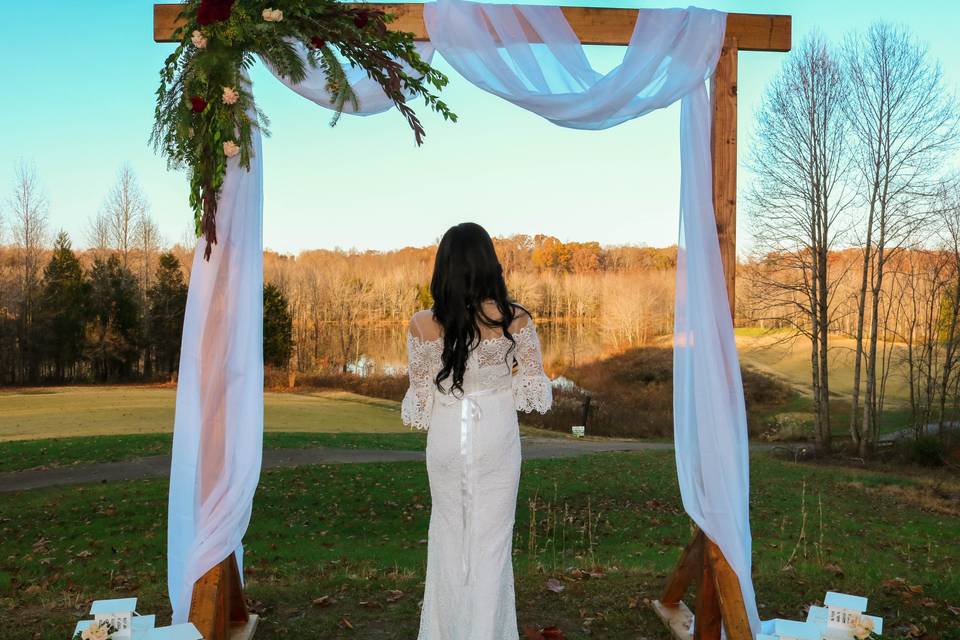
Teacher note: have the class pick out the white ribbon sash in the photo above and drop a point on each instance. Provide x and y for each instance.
(470, 414)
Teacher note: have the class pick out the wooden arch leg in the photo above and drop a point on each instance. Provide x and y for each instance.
(719, 602)
(217, 607)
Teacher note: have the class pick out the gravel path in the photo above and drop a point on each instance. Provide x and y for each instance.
(159, 466)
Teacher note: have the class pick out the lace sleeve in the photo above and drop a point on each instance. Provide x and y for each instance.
(531, 386)
(418, 401)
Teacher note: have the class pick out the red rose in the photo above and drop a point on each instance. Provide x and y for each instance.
(317, 42)
(211, 11)
(198, 104)
(360, 19)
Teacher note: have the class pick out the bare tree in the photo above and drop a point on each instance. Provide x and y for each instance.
(798, 198)
(98, 234)
(27, 207)
(124, 208)
(903, 123)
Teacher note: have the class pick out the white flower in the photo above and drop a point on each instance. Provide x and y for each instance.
(230, 148)
(272, 15)
(96, 632)
(863, 630)
(230, 95)
(198, 40)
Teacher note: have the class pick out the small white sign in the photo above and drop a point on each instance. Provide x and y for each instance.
(118, 614)
(578, 432)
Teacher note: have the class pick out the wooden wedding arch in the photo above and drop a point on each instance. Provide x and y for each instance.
(217, 607)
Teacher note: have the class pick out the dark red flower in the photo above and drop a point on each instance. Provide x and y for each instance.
(197, 103)
(317, 42)
(360, 19)
(211, 11)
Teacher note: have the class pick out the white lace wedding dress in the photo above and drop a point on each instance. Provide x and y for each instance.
(473, 463)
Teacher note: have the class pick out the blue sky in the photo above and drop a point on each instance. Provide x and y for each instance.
(77, 101)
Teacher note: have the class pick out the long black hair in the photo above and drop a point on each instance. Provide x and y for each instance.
(466, 274)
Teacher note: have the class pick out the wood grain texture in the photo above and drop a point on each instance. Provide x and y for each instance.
(754, 32)
(217, 604)
(686, 572)
(727, 585)
(723, 147)
(707, 617)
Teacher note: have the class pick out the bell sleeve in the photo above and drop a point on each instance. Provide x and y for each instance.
(531, 386)
(417, 405)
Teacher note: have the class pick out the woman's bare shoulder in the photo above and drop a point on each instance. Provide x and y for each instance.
(521, 318)
(424, 326)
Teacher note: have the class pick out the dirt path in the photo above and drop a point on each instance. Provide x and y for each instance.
(159, 466)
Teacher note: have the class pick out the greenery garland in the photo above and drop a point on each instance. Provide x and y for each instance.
(205, 113)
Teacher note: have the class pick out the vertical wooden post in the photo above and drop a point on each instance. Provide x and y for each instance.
(723, 143)
(719, 602)
(217, 605)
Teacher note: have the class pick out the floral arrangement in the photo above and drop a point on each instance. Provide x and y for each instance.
(96, 631)
(205, 112)
(864, 629)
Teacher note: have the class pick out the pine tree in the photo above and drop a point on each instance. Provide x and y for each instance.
(167, 298)
(63, 309)
(277, 327)
(113, 335)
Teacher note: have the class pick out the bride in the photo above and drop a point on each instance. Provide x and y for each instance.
(474, 360)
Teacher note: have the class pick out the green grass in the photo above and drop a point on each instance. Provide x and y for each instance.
(64, 426)
(353, 532)
(789, 359)
(127, 410)
(19, 455)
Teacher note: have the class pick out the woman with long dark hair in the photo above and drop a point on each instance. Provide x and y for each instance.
(474, 361)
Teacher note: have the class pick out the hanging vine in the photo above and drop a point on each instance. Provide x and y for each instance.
(205, 112)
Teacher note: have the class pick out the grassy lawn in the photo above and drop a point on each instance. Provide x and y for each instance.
(330, 546)
(62, 426)
(126, 410)
(788, 358)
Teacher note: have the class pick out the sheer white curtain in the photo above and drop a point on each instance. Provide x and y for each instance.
(218, 425)
(530, 56)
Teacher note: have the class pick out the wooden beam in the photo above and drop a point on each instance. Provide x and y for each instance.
(686, 572)
(723, 145)
(754, 32)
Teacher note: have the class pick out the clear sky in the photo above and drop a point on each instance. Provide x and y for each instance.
(76, 100)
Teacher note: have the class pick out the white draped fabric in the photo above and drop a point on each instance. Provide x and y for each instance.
(530, 56)
(218, 425)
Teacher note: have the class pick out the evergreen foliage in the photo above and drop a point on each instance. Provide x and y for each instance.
(277, 327)
(205, 112)
(63, 309)
(168, 302)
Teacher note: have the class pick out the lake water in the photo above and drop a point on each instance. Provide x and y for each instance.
(381, 349)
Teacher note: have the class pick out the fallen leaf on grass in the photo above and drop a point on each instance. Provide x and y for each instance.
(393, 595)
(554, 585)
(954, 610)
(546, 633)
(345, 624)
(370, 604)
(323, 601)
(834, 569)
